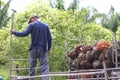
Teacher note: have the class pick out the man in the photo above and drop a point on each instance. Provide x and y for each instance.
(40, 46)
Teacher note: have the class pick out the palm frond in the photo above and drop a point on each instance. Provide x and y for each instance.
(4, 14)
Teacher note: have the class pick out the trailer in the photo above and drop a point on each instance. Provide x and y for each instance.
(74, 73)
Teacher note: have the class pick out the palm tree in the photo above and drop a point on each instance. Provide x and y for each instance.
(60, 4)
(111, 22)
(74, 5)
(4, 13)
(91, 15)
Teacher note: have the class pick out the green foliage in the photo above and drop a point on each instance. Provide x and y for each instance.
(118, 34)
(64, 25)
(4, 73)
(3, 45)
(4, 13)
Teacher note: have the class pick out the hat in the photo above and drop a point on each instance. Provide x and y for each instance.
(33, 16)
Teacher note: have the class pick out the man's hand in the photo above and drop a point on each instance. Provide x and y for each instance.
(11, 31)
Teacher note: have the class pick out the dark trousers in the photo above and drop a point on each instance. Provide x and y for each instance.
(35, 54)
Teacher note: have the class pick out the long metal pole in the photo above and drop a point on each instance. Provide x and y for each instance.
(10, 53)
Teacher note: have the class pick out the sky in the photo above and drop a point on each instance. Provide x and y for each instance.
(19, 5)
(103, 6)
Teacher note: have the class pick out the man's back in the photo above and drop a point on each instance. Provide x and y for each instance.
(40, 34)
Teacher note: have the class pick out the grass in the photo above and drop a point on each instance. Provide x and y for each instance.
(5, 74)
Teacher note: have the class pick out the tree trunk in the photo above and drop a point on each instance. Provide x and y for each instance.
(114, 36)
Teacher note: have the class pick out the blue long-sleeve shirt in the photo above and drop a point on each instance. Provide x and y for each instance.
(40, 35)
